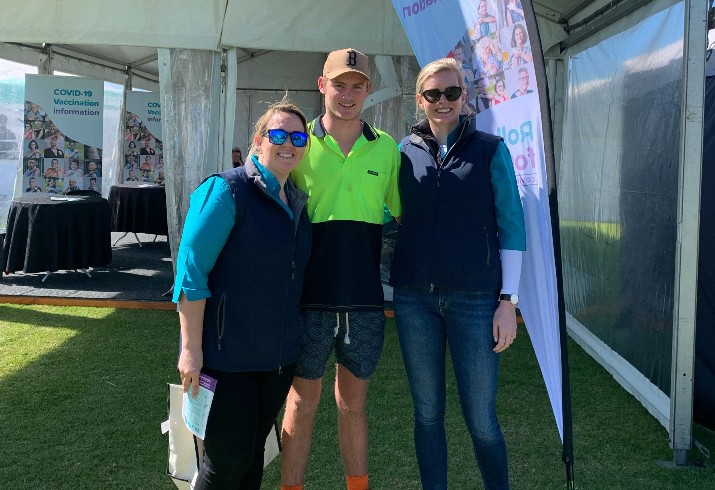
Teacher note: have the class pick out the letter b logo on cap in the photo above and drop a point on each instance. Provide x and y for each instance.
(352, 58)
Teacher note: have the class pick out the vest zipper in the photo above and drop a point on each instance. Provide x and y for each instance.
(221, 318)
(292, 275)
(296, 216)
(440, 163)
(436, 216)
(489, 252)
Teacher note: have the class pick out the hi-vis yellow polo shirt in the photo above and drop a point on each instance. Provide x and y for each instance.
(346, 200)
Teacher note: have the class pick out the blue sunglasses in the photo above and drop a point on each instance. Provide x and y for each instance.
(279, 136)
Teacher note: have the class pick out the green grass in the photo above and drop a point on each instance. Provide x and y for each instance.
(593, 273)
(82, 394)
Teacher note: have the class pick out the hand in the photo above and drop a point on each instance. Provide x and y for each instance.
(190, 363)
(504, 326)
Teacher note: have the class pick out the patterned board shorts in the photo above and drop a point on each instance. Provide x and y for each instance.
(357, 337)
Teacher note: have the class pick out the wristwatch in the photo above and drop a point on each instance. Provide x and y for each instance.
(513, 298)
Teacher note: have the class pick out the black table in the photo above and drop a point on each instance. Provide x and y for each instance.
(138, 209)
(47, 234)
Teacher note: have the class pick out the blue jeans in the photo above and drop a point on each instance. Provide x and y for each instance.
(426, 321)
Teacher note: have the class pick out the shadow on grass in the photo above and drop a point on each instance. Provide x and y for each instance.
(86, 413)
(525, 416)
(617, 443)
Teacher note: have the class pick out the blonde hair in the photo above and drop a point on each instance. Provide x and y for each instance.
(438, 66)
(285, 106)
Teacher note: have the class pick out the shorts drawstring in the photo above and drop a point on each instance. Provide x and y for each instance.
(347, 328)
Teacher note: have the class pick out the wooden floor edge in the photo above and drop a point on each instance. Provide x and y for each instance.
(111, 303)
(101, 303)
(96, 303)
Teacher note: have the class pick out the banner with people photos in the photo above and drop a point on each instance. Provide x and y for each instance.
(143, 153)
(62, 140)
(492, 43)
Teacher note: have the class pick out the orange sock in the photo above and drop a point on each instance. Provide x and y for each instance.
(356, 482)
(292, 487)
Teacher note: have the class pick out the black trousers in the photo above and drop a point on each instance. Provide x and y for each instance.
(243, 411)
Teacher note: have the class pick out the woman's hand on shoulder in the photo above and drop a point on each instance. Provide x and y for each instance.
(190, 363)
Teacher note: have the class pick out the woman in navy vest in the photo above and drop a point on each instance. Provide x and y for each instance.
(245, 245)
(456, 270)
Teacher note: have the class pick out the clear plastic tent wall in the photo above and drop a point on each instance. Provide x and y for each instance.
(394, 116)
(190, 99)
(12, 80)
(113, 135)
(618, 190)
(12, 91)
(397, 114)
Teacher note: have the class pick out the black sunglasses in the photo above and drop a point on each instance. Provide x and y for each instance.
(279, 136)
(450, 93)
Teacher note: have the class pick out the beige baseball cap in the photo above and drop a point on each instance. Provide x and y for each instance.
(346, 60)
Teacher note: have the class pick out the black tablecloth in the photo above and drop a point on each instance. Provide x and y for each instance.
(49, 235)
(138, 209)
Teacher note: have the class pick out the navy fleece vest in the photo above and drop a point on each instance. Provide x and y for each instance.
(448, 234)
(252, 322)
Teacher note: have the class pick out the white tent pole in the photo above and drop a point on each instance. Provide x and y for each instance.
(389, 84)
(118, 164)
(227, 107)
(44, 63)
(686, 251)
(129, 80)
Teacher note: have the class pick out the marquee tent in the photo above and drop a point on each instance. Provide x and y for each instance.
(626, 82)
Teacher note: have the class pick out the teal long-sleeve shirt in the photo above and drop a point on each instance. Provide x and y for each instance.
(507, 203)
(209, 221)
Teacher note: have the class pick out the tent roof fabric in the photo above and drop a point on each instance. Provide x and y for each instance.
(371, 26)
(158, 24)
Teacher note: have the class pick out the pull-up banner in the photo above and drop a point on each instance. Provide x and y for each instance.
(492, 40)
(143, 148)
(62, 143)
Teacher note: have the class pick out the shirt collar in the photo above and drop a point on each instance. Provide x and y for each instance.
(272, 184)
(318, 130)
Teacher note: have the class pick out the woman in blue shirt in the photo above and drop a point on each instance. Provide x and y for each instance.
(245, 244)
(455, 270)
